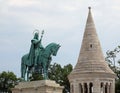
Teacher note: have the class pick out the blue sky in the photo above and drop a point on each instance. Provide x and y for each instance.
(63, 22)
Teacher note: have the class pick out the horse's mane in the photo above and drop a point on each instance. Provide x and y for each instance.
(49, 45)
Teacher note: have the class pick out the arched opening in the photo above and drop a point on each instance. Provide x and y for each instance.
(85, 88)
(91, 46)
(91, 87)
(110, 88)
(106, 86)
(102, 87)
(80, 88)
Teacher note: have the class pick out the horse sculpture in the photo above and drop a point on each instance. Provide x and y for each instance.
(45, 57)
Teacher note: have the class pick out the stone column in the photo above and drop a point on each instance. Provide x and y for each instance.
(76, 87)
(110, 88)
(103, 88)
(88, 88)
(71, 88)
(113, 87)
(83, 87)
(96, 86)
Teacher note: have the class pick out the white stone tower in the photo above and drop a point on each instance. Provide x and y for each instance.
(91, 73)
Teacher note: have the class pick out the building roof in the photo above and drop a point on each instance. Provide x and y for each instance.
(91, 58)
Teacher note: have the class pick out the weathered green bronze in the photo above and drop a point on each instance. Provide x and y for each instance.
(38, 58)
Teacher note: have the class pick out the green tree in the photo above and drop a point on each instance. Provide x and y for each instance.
(36, 76)
(66, 71)
(112, 59)
(60, 75)
(112, 55)
(7, 81)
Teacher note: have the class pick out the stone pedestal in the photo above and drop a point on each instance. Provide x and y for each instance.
(42, 86)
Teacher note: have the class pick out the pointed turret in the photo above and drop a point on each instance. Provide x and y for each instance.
(91, 69)
(91, 58)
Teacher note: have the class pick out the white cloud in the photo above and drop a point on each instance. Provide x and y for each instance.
(44, 13)
(22, 3)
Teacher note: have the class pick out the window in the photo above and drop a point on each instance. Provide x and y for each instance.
(91, 45)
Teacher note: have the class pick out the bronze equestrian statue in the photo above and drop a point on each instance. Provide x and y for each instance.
(38, 56)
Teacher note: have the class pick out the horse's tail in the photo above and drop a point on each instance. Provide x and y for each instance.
(22, 63)
(23, 67)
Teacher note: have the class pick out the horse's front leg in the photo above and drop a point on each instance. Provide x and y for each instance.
(28, 72)
(23, 71)
(45, 72)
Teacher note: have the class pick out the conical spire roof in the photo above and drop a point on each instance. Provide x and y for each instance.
(91, 58)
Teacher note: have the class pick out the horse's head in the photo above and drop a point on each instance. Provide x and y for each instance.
(52, 48)
(55, 49)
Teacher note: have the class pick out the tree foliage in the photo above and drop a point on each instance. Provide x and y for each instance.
(7, 81)
(112, 55)
(60, 75)
(36, 76)
(112, 60)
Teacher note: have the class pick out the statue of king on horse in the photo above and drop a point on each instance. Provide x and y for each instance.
(38, 58)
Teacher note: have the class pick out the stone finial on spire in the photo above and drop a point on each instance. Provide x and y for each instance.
(89, 7)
